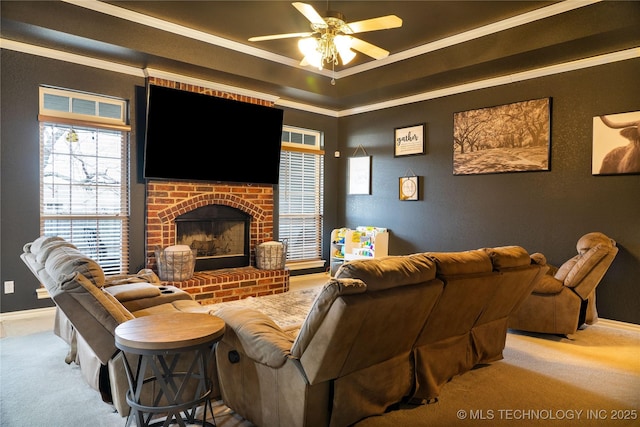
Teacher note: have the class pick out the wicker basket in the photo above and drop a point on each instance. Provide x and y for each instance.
(175, 264)
(271, 255)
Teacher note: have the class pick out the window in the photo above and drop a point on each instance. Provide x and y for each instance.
(84, 171)
(301, 192)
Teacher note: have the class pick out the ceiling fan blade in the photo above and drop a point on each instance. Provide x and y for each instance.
(279, 36)
(374, 24)
(369, 49)
(309, 12)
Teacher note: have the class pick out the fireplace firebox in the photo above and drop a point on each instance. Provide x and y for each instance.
(219, 234)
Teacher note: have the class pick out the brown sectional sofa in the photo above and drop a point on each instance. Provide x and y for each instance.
(382, 331)
(90, 307)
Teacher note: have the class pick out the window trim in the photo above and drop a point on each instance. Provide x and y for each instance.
(49, 115)
(316, 149)
(95, 125)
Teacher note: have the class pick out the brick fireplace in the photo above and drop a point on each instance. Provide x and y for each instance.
(168, 200)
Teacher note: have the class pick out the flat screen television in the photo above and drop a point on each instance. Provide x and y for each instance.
(192, 136)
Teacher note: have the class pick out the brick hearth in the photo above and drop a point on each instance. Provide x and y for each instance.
(229, 284)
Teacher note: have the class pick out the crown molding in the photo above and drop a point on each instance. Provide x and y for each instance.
(69, 57)
(308, 108)
(594, 61)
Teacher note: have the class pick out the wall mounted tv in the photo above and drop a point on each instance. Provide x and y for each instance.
(192, 136)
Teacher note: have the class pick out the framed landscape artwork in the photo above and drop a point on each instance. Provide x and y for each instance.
(506, 138)
(616, 144)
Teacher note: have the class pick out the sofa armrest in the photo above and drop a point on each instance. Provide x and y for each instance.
(538, 258)
(143, 276)
(133, 291)
(262, 340)
(548, 285)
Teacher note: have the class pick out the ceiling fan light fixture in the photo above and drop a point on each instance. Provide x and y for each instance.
(330, 41)
(308, 45)
(347, 56)
(343, 46)
(309, 48)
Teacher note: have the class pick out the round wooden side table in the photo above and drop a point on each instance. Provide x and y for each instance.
(171, 375)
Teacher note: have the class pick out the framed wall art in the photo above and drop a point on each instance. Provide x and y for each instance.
(409, 140)
(616, 142)
(359, 175)
(409, 188)
(506, 138)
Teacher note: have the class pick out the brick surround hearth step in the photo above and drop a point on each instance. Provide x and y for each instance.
(230, 284)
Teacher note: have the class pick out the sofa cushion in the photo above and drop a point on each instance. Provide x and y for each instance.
(66, 261)
(389, 272)
(585, 263)
(101, 305)
(538, 258)
(37, 244)
(131, 291)
(119, 312)
(456, 263)
(145, 275)
(562, 272)
(321, 305)
(548, 285)
(183, 305)
(47, 248)
(262, 340)
(590, 240)
(508, 257)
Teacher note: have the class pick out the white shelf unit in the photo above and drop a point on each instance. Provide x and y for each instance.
(359, 243)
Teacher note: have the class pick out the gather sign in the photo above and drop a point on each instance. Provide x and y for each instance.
(409, 140)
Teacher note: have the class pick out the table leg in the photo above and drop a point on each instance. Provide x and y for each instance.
(164, 374)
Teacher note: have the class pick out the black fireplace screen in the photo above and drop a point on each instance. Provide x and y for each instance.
(219, 234)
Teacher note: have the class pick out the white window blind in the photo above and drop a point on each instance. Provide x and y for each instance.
(301, 192)
(84, 193)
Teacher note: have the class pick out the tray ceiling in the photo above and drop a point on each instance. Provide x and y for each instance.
(441, 44)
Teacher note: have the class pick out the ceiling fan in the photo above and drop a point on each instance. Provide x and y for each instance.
(331, 37)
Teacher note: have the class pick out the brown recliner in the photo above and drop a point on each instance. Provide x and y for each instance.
(564, 299)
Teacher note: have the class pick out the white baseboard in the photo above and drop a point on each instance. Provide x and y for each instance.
(26, 314)
(618, 324)
(305, 265)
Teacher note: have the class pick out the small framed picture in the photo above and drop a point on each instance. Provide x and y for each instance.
(409, 140)
(360, 175)
(409, 188)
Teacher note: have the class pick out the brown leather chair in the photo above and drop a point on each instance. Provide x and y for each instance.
(564, 299)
